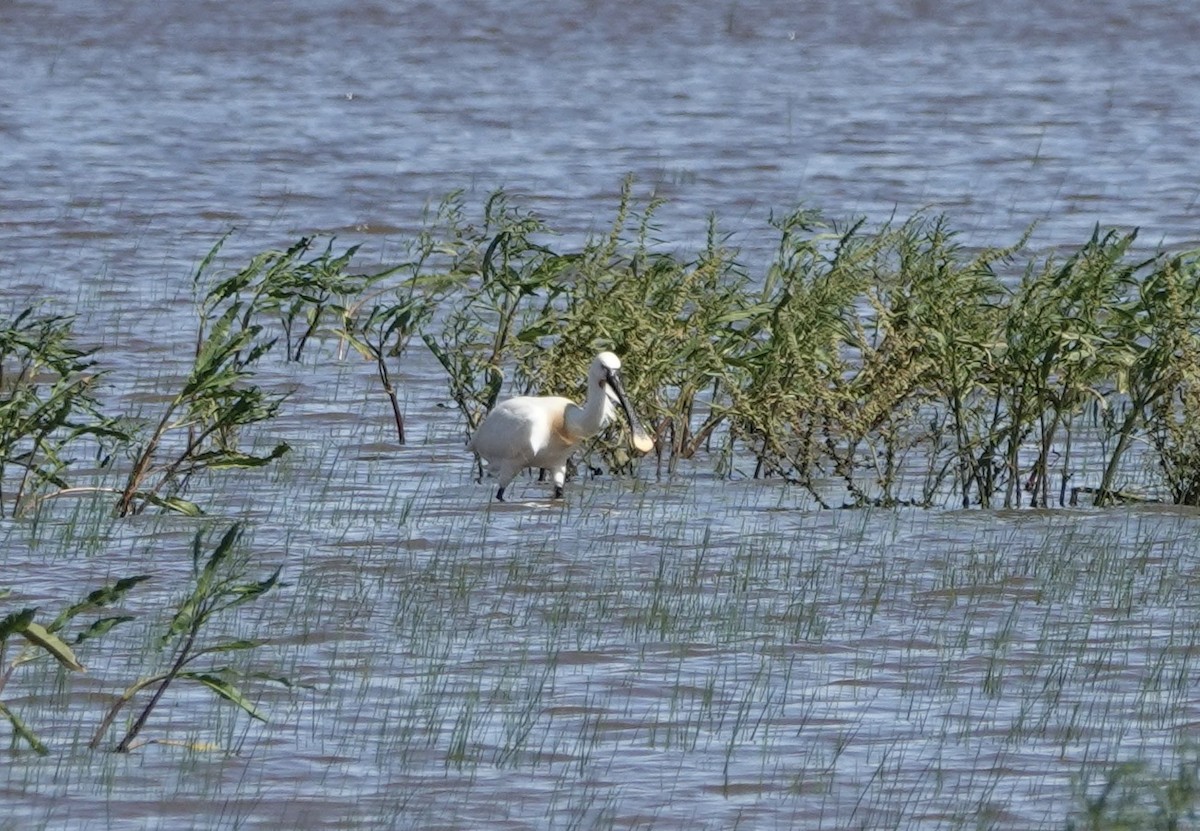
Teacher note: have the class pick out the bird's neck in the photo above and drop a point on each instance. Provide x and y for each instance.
(590, 419)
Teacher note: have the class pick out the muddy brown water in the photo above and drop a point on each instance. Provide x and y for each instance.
(686, 653)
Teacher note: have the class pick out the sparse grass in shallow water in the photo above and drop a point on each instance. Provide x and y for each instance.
(690, 652)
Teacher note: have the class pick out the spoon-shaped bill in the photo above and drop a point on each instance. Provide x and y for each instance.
(641, 440)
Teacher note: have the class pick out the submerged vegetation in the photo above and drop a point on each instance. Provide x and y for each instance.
(218, 586)
(867, 366)
(46, 641)
(860, 668)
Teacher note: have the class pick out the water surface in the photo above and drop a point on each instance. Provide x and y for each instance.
(690, 653)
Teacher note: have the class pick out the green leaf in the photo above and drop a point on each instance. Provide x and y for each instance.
(225, 690)
(208, 258)
(223, 549)
(113, 593)
(171, 503)
(100, 597)
(218, 460)
(16, 622)
(247, 591)
(359, 345)
(278, 679)
(22, 730)
(534, 333)
(36, 634)
(230, 646)
(100, 627)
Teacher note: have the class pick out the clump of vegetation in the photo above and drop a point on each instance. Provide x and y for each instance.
(866, 365)
(219, 586)
(869, 366)
(48, 408)
(51, 409)
(503, 287)
(52, 640)
(217, 400)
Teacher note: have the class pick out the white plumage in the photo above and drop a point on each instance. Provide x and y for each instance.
(541, 431)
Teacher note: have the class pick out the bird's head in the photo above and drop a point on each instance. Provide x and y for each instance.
(605, 373)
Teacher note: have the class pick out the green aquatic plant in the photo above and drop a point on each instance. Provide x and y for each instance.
(870, 402)
(681, 327)
(48, 408)
(868, 365)
(1061, 342)
(1175, 424)
(382, 334)
(885, 362)
(380, 323)
(52, 640)
(937, 314)
(508, 283)
(218, 587)
(790, 391)
(305, 294)
(1158, 362)
(217, 400)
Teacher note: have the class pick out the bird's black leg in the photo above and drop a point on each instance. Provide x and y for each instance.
(500, 494)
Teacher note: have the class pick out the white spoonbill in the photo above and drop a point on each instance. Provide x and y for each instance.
(541, 431)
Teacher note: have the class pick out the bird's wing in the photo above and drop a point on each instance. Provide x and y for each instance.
(519, 428)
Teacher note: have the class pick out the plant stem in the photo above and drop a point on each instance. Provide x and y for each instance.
(176, 668)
